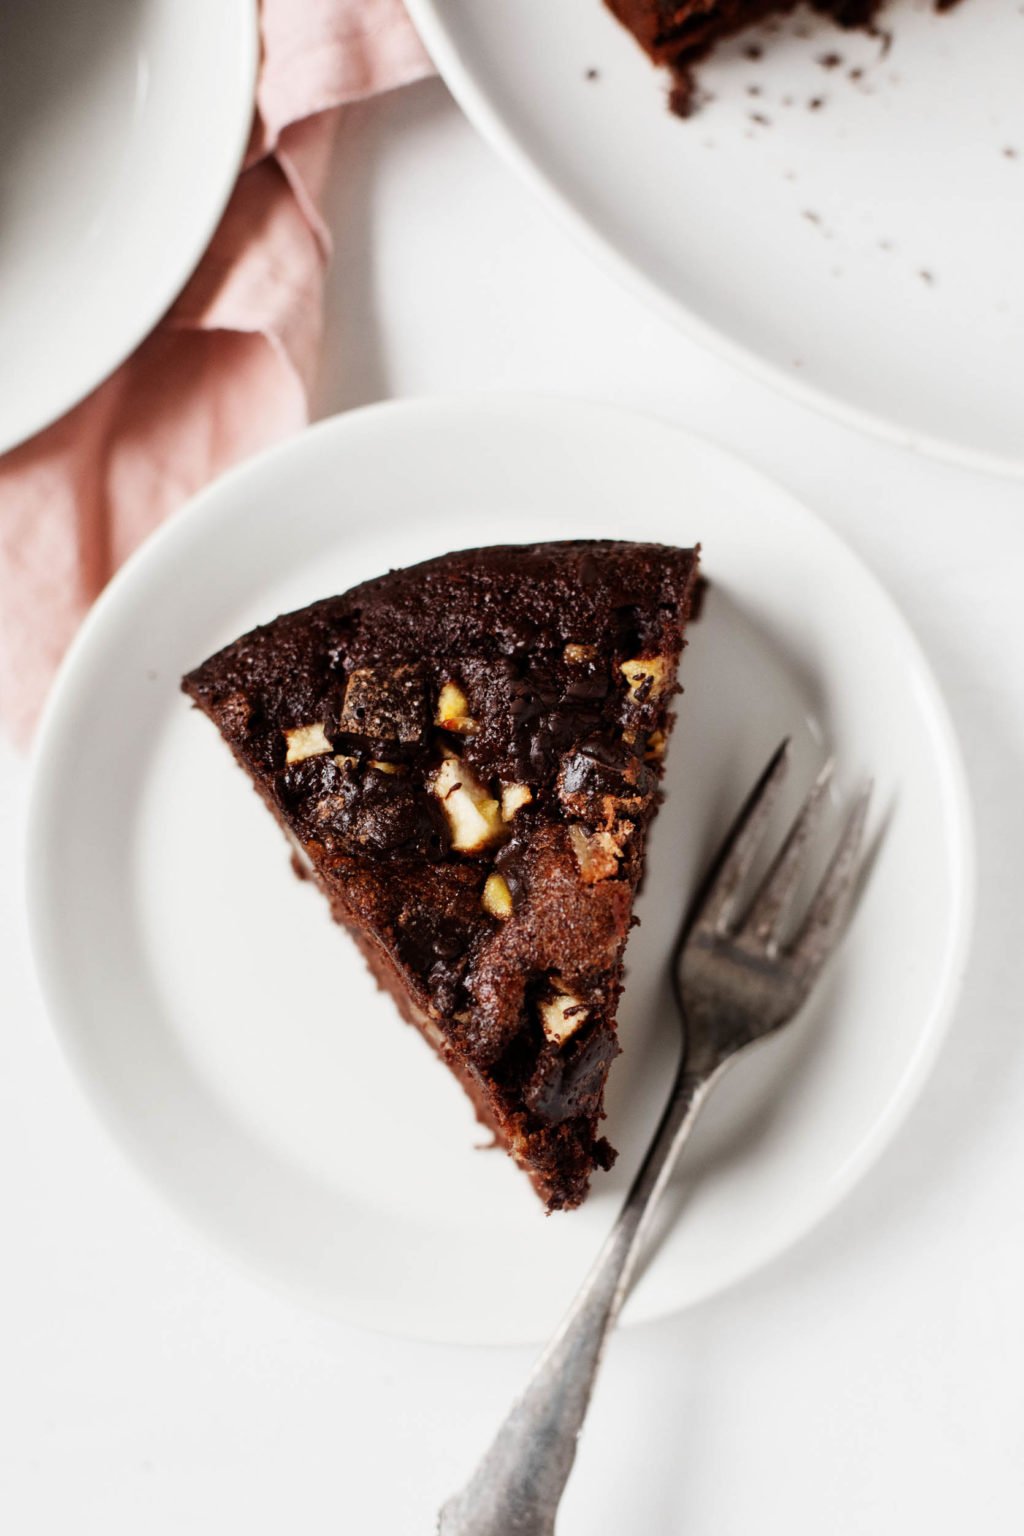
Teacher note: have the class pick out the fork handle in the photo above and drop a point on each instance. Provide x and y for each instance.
(518, 1485)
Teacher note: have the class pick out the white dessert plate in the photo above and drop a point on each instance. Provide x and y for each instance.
(228, 1030)
(853, 232)
(123, 125)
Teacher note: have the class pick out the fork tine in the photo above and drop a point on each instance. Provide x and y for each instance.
(826, 917)
(767, 911)
(741, 846)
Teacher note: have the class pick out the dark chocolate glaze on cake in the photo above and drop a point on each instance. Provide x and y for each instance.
(534, 640)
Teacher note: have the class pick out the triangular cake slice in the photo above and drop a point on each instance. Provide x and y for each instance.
(467, 753)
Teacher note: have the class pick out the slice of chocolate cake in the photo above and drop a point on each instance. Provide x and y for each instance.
(679, 33)
(467, 753)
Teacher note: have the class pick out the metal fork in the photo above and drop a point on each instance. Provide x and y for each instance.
(736, 980)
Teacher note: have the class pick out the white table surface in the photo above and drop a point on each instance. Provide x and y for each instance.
(872, 1381)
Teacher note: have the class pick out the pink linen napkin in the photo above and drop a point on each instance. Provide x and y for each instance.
(226, 372)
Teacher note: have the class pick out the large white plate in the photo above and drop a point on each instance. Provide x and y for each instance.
(123, 125)
(866, 256)
(227, 1029)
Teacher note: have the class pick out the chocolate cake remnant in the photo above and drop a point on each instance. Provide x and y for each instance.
(468, 754)
(679, 33)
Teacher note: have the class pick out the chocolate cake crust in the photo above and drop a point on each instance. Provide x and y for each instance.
(468, 753)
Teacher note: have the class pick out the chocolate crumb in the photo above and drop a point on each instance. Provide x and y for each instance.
(816, 103)
(926, 276)
(753, 51)
(753, 90)
(1011, 153)
(592, 74)
(682, 98)
(759, 117)
(830, 60)
(857, 73)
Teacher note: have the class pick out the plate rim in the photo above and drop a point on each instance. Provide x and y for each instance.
(43, 780)
(245, 73)
(443, 48)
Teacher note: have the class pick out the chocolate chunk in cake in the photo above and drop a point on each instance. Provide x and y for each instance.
(468, 752)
